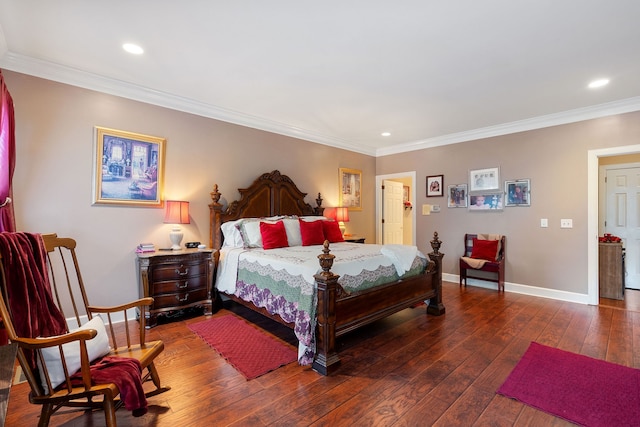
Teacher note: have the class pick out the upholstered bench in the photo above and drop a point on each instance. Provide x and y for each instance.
(483, 252)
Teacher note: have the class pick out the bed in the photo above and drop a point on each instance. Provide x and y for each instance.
(325, 305)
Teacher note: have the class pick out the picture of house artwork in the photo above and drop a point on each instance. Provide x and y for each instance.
(128, 168)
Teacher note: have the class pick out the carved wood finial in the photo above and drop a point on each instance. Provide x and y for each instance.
(215, 195)
(326, 260)
(435, 243)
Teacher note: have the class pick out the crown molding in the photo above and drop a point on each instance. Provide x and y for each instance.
(74, 77)
(571, 116)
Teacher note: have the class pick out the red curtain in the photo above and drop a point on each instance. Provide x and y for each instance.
(7, 157)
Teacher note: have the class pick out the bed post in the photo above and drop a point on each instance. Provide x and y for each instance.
(326, 360)
(435, 306)
(215, 208)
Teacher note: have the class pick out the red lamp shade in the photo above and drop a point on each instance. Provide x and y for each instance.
(177, 212)
(342, 214)
(339, 214)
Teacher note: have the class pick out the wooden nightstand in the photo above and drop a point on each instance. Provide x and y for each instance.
(354, 239)
(176, 280)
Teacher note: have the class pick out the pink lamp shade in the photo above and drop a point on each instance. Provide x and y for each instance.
(340, 214)
(177, 212)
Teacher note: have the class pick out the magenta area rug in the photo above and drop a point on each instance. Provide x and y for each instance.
(578, 388)
(251, 351)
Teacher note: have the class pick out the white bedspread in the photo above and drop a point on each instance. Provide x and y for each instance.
(350, 259)
(402, 256)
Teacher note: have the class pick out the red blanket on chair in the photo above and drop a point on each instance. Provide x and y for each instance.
(125, 373)
(30, 301)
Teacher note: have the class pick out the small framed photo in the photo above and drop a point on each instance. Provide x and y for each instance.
(434, 185)
(128, 168)
(518, 192)
(457, 196)
(486, 201)
(484, 179)
(350, 189)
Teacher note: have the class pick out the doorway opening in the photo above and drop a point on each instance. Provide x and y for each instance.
(593, 188)
(408, 179)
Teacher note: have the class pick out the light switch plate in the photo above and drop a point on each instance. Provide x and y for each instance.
(544, 222)
(435, 208)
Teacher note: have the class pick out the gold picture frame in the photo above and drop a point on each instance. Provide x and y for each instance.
(128, 168)
(350, 191)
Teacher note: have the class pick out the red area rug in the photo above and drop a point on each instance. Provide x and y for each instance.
(578, 388)
(251, 351)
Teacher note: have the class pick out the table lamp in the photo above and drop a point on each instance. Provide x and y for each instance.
(177, 213)
(340, 214)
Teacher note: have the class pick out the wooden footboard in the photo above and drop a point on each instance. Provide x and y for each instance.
(339, 313)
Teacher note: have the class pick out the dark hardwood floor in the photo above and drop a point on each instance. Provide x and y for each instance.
(407, 370)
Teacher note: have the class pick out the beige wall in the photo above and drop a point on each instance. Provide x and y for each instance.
(555, 159)
(53, 178)
(53, 182)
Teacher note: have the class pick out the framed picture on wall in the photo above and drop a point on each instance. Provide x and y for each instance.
(486, 201)
(457, 196)
(434, 185)
(128, 168)
(484, 179)
(518, 192)
(351, 189)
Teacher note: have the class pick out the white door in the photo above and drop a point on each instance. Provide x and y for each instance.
(623, 188)
(392, 212)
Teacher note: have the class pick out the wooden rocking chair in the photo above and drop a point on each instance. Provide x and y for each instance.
(34, 353)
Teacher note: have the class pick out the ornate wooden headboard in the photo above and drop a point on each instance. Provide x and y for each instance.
(270, 194)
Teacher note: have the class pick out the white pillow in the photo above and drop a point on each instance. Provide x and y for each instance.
(310, 218)
(292, 227)
(96, 347)
(232, 236)
(250, 230)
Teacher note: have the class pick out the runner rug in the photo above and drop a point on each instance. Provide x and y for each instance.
(578, 388)
(251, 351)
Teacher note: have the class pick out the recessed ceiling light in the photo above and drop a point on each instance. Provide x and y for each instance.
(598, 83)
(133, 48)
(386, 134)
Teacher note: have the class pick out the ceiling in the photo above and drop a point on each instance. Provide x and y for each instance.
(340, 73)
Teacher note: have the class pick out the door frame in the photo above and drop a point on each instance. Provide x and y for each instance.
(379, 179)
(593, 293)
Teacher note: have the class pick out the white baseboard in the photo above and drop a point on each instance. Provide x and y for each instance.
(118, 317)
(522, 289)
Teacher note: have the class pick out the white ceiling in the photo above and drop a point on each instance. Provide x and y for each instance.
(341, 72)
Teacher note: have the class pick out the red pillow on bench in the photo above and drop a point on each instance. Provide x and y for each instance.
(485, 249)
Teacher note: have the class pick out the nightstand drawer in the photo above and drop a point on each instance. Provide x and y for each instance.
(183, 285)
(180, 298)
(177, 271)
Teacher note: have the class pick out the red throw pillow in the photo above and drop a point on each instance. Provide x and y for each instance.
(485, 249)
(332, 231)
(273, 235)
(311, 232)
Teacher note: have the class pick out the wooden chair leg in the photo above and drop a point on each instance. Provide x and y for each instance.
(45, 414)
(110, 411)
